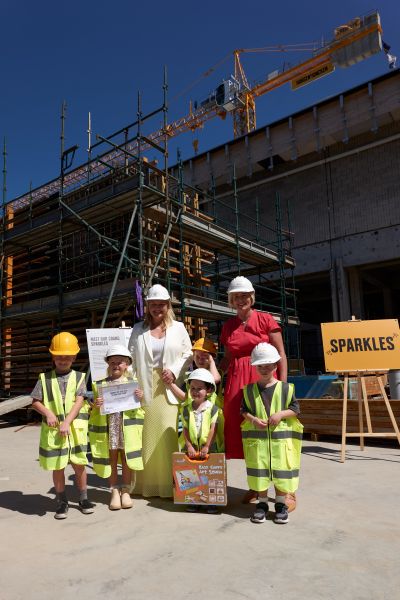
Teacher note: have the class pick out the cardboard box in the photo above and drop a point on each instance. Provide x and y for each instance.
(200, 482)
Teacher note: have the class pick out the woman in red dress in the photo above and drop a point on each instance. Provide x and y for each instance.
(239, 336)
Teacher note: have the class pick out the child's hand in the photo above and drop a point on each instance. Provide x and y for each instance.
(98, 401)
(139, 394)
(64, 428)
(260, 423)
(212, 361)
(191, 452)
(52, 420)
(275, 419)
(204, 451)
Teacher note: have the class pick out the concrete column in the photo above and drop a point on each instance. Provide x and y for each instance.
(388, 310)
(343, 291)
(335, 307)
(356, 296)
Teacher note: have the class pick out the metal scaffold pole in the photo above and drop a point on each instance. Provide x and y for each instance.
(139, 201)
(281, 257)
(237, 228)
(166, 173)
(293, 281)
(2, 258)
(181, 242)
(60, 219)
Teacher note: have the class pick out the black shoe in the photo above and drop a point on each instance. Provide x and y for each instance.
(281, 513)
(260, 514)
(86, 507)
(212, 510)
(62, 510)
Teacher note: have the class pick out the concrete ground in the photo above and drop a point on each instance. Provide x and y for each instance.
(341, 542)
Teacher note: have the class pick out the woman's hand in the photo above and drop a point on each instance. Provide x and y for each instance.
(52, 420)
(224, 363)
(167, 376)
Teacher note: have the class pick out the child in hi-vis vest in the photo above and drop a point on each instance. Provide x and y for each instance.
(117, 436)
(59, 397)
(271, 435)
(199, 420)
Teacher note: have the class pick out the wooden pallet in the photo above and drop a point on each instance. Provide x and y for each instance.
(323, 416)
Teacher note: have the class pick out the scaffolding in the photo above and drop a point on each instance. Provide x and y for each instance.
(80, 251)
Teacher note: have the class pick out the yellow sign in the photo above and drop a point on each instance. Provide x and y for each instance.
(361, 345)
(312, 75)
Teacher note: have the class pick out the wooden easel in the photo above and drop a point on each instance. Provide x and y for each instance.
(362, 399)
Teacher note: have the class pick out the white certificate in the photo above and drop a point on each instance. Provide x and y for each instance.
(118, 397)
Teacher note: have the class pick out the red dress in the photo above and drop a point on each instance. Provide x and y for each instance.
(239, 341)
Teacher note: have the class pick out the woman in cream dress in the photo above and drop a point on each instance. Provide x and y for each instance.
(161, 352)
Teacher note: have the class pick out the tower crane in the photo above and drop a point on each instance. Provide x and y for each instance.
(352, 42)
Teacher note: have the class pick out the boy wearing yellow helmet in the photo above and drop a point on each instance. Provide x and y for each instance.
(59, 397)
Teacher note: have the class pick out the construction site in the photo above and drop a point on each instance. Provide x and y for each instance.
(307, 208)
(82, 250)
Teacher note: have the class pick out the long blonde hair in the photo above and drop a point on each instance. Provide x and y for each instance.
(167, 321)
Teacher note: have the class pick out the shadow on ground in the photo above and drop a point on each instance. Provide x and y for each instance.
(334, 454)
(234, 508)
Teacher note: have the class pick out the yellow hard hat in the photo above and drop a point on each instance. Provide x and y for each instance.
(64, 344)
(205, 345)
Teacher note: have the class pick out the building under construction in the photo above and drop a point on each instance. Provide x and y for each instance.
(81, 251)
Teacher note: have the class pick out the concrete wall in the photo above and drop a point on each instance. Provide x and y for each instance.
(337, 166)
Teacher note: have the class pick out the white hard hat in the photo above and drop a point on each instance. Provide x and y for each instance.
(158, 292)
(240, 284)
(202, 375)
(264, 354)
(118, 350)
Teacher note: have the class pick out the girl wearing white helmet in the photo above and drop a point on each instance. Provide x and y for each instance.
(116, 437)
(200, 419)
(239, 336)
(199, 439)
(161, 352)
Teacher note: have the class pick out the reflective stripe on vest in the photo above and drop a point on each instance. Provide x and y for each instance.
(55, 450)
(272, 455)
(132, 426)
(53, 453)
(210, 416)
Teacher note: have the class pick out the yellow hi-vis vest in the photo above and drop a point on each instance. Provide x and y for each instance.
(210, 416)
(55, 450)
(272, 455)
(216, 398)
(132, 427)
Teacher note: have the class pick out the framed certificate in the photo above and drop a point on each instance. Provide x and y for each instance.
(118, 397)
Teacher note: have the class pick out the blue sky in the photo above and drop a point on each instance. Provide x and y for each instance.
(96, 55)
